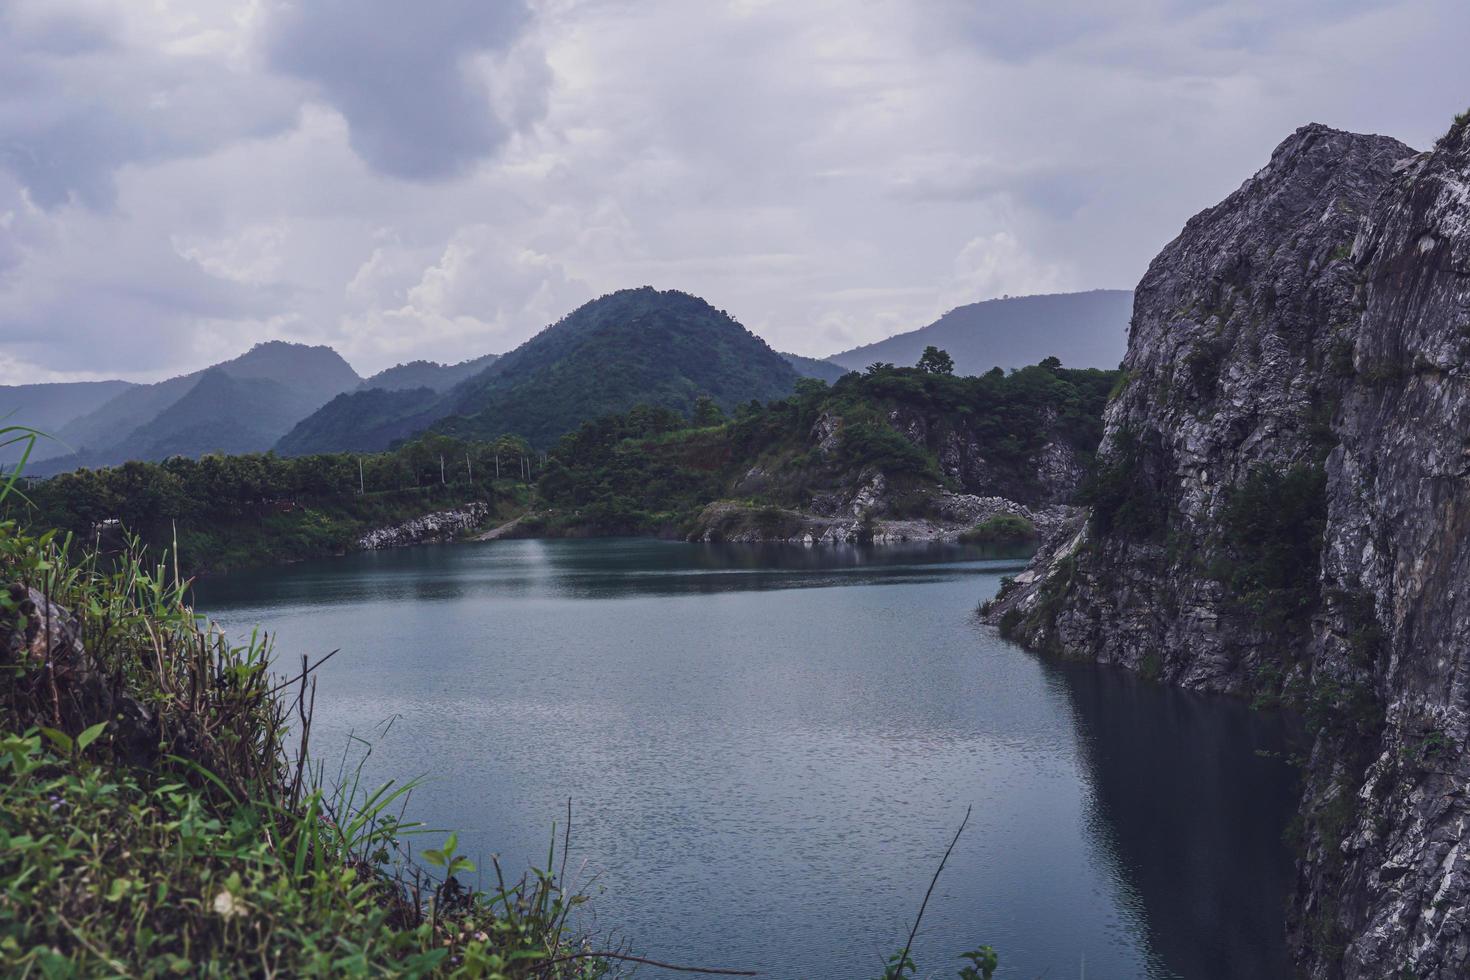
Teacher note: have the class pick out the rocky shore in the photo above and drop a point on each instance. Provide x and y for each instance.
(444, 525)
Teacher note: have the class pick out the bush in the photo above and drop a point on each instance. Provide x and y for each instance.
(1271, 527)
(1002, 529)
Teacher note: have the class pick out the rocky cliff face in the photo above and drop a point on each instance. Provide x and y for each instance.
(1280, 509)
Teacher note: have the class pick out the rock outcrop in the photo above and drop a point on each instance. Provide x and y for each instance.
(1281, 510)
(954, 514)
(443, 525)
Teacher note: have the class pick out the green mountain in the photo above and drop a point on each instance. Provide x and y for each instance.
(427, 374)
(636, 346)
(364, 421)
(221, 413)
(1083, 329)
(274, 385)
(49, 407)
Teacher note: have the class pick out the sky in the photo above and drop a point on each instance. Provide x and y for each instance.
(180, 179)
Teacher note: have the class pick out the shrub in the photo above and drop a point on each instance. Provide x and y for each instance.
(1271, 527)
(1003, 530)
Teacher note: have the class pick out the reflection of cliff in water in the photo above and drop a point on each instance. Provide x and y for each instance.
(1196, 816)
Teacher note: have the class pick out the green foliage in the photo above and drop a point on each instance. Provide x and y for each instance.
(189, 840)
(649, 469)
(1271, 526)
(706, 413)
(1002, 529)
(633, 347)
(935, 361)
(1120, 489)
(230, 511)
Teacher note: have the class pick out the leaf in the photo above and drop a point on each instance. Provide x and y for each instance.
(60, 739)
(90, 735)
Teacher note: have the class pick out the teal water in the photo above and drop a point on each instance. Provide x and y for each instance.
(768, 750)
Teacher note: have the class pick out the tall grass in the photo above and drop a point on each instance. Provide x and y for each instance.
(159, 811)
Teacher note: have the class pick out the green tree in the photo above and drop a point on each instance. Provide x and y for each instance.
(935, 361)
(706, 413)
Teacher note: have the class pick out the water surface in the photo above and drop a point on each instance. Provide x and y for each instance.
(769, 748)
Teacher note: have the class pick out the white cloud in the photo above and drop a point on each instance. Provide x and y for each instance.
(182, 178)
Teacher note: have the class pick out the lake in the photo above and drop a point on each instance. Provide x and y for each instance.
(768, 750)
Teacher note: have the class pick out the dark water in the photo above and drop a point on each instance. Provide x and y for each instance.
(769, 749)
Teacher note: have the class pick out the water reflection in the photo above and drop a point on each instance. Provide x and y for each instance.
(769, 748)
(1193, 794)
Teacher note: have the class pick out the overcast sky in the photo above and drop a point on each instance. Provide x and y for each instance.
(441, 178)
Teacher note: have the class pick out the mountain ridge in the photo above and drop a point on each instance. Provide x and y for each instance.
(1083, 329)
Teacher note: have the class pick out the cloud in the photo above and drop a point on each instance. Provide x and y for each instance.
(419, 83)
(85, 90)
(182, 178)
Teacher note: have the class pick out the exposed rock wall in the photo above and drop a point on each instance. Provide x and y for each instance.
(444, 525)
(1299, 354)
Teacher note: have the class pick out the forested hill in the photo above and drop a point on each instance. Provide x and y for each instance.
(636, 346)
(889, 443)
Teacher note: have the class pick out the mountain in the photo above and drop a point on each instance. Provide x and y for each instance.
(636, 346)
(49, 407)
(427, 374)
(1081, 329)
(1279, 510)
(278, 384)
(367, 420)
(811, 367)
(221, 413)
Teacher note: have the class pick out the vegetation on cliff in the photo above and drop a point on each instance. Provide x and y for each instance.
(652, 468)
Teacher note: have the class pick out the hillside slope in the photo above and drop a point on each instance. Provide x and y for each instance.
(1280, 511)
(636, 346)
(1081, 329)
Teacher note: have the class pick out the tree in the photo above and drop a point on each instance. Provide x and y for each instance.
(706, 413)
(935, 361)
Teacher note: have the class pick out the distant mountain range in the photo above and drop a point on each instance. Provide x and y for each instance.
(658, 347)
(1082, 329)
(49, 407)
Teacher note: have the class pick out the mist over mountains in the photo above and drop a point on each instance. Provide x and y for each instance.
(635, 346)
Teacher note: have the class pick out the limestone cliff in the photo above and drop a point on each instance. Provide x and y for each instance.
(1280, 508)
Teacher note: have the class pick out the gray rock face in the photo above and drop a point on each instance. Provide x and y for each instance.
(444, 525)
(1318, 322)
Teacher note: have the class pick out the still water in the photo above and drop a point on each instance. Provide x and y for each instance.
(768, 750)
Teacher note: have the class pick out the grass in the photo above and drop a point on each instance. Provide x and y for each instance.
(159, 812)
